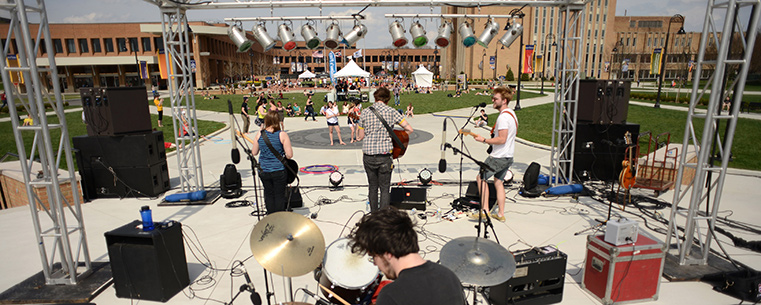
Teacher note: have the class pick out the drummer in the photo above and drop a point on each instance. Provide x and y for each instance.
(389, 237)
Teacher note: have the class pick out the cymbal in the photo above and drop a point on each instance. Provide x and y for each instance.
(287, 244)
(478, 261)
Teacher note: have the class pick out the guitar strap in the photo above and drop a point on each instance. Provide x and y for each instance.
(274, 152)
(390, 131)
(495, 123)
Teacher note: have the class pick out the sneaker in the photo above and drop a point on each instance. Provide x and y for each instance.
(475, 215)
(497, 217)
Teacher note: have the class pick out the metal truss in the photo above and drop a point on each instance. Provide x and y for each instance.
(174, 24)
(240, 4)
(694, 242)
(59, 228)
(568, 67)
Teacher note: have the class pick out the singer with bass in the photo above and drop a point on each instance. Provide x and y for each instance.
(378, 146)
(501, 152)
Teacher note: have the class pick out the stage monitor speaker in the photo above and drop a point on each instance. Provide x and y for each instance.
(603, 101)
(538, 279)
(148, 265)
(120, 182)
(136, 150)
(600, 149)
(407, 198)
(472, 192)
(115, 110)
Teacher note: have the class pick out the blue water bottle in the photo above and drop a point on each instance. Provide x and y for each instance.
(145, 214)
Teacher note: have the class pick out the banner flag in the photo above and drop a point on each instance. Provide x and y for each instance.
(162, 65)
(492, 62)
(528, 59)
(539, 63)
(16, 77)
(655, 62)
(144, 69)
(358, 54)
(332, 65)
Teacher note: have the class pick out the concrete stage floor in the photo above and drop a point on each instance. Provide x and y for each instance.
(223, 233)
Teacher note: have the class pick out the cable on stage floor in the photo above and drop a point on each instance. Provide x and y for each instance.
(318, 169)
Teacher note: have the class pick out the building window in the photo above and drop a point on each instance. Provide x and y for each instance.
(159, 43)
(133, 46)
(649, 41)
(634, 41)
(146, 41)
(83, 46)
(71, 47)
(627, 41)
(121, 43)
(650, 24)
(632, 24)
(109, 44)
(43, 48)
(95, 45)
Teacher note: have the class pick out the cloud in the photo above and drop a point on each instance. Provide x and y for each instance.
(89, 18)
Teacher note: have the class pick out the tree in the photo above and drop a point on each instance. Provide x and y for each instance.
(510, 76)
(524, 77)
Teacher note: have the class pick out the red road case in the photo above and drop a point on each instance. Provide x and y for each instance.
(623, 274)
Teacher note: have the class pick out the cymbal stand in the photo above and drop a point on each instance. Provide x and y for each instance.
(257, 211)
(476, 290)
(483, 167)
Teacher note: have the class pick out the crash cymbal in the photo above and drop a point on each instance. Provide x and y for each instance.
(287, 244)
(478, 261)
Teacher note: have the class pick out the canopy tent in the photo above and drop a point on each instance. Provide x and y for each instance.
(423, 77)
(351, 69)
(307, 74)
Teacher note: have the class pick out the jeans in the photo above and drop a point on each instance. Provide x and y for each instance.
(378, 169)
(274, 184)
(309, 111)
(397, 100)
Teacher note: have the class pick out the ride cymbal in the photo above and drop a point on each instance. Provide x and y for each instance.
(287, 244)
(478, 261)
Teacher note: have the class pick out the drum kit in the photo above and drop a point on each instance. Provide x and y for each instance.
(290, 245)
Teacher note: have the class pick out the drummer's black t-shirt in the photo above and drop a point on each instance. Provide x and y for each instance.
(429, 283)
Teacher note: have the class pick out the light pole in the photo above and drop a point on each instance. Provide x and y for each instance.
(544, 64)
(518, 13)
(619, 43)
(675, 18)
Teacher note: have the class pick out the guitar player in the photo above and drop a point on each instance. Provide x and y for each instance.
(377, 147)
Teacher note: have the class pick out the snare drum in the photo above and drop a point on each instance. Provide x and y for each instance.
(349, 275)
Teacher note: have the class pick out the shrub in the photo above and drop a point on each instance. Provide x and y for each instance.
(510, 76)
(524, 77)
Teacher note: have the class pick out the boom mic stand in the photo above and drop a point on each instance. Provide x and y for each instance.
(483, 167)
(462, 142)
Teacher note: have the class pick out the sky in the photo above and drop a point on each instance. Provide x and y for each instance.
(98, 11)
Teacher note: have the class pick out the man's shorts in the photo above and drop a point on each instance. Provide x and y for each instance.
(499, 166)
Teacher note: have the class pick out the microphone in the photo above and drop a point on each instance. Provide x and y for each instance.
(482, 105)
(255, 297)
(234, 153)
(443, 161)
(320, 300)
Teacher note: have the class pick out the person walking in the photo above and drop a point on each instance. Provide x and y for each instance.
(244, 114)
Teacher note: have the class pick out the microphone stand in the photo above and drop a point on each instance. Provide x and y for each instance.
(462, 144)
(483, 167)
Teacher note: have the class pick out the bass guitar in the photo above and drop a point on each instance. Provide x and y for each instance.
(628, 175)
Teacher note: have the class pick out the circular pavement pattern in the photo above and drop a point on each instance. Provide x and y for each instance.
(319, 138)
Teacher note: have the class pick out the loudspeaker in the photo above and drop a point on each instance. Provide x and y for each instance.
(148, 265)
(472, 192)
(603, 101)
(407, 198)
(137, 150)
(293, 193)
(538, 279)
(600, 149)
(115, 110)
(117, 182)
(744, 284)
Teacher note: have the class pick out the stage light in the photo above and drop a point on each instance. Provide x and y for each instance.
(333, 37)
(356, 33)
(466, 31)
(513, 33)
(264, 39)
(445, 31)
(335, 179)
(425, 176)
(238, 36)
(286, 36)
(397, 34)
(310, 36)
(418, 34)
(490, 30)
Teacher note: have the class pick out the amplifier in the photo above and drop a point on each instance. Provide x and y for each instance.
(473, 193)
(293, 197)
(407, 198)
(119, 151)
(119, 182)
(539, 278)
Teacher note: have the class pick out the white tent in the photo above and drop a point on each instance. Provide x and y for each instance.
(351, 69)
(423, 77)
(307, 74)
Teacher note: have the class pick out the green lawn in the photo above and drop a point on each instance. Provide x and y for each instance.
(77, 128)
(536, 125)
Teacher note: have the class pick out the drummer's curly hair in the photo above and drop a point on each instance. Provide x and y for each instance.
(387, 230)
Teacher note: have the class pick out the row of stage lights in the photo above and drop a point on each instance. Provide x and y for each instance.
(334, 36)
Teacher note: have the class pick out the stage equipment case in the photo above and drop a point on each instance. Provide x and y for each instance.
(626, 273)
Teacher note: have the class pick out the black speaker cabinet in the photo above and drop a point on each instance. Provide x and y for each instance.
(133, 150)
(539, 278)
(472, 192)
(115, 110)
(600, 149)
(407, 198)
(293, 197)
(603, 101)
(147, 265)
(118, 182)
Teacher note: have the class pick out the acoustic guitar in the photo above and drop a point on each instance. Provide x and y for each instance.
(628, 175)
(399, 151)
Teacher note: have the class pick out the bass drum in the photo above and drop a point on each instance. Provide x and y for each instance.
(350, 276)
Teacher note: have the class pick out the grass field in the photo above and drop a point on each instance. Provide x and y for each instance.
(536, 125)
(77, 128)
